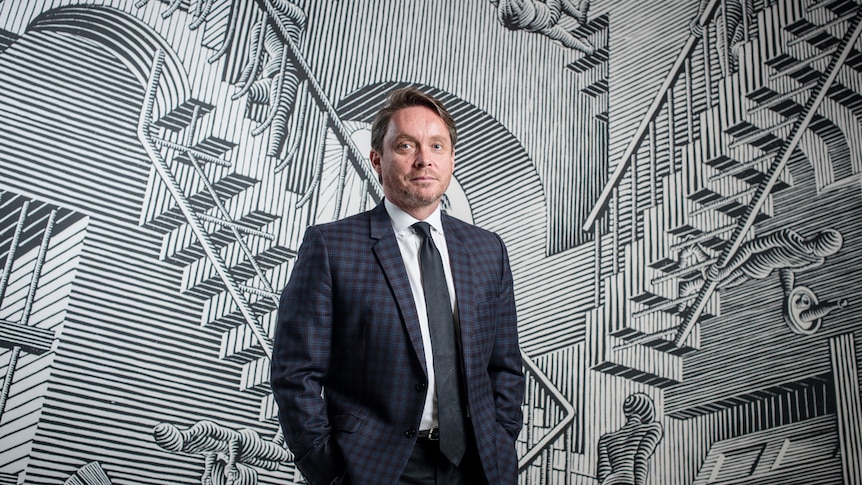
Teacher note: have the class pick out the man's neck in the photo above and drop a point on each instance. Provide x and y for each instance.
(420, 213)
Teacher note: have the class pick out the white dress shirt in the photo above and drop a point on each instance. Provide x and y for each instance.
(409, 242)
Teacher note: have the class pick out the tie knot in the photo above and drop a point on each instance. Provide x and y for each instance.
(423, 229)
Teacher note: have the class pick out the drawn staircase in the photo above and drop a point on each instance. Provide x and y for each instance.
(593, 68)
(229, 247)
(733, 164)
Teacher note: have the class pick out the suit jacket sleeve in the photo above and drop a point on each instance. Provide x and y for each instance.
(300, 362)
(505, 367)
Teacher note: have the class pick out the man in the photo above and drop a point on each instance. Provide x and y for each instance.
(545, 17)
(241, 449)
(784, 250)
(355, 368)
(624, 454)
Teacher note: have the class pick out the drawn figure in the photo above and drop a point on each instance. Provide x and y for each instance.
(730, 21)
(784, 250)
(239, 449)
(544, 18)
(624, 454)
(271, 77)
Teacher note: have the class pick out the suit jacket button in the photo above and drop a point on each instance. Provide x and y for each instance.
(421, 387)
(410, 432)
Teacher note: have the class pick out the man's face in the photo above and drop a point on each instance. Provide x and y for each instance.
(417, 160)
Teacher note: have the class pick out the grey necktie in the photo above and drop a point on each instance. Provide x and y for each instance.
(444, 345)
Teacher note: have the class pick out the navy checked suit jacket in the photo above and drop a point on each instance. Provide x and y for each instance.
(347, 369)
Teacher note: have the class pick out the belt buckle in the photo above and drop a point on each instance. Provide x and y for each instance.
(434, 434)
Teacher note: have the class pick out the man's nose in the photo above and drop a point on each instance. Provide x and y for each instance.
(423, 157)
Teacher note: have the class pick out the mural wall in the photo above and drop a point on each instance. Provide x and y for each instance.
(677, 181)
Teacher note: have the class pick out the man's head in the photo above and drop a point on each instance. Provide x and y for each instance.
(413, 150)
(639, 406)
(826, 243)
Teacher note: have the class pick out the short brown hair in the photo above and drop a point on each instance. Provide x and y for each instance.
(405, 98)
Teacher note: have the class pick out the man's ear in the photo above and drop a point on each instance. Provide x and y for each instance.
(375, 161)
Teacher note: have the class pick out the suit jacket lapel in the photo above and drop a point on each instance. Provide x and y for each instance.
(389, 256)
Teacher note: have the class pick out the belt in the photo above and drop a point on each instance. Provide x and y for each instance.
(432, 434)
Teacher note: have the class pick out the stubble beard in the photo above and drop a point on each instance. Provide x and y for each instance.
(418, 200)
(413, 197)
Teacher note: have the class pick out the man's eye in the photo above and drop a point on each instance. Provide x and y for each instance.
(437, 146)
(404, 146)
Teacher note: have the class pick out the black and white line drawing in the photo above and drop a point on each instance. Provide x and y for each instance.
(676, 182)
(230, 456)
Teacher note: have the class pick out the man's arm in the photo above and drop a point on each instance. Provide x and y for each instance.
(604, 463)
(645, 448)
(300, 362)
(506, 366)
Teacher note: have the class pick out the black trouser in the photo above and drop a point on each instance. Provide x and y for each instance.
(427, 466)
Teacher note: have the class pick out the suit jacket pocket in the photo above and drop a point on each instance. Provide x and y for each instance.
(347, 423)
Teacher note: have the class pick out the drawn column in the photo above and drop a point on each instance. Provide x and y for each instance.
(842, 350)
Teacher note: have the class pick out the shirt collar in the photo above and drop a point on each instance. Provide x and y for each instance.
(402, 221)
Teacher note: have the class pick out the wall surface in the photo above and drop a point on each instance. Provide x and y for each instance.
(677, 182)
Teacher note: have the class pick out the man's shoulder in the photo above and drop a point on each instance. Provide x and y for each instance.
(344, 238)
(473, 239)
(344, 222)
(353, 223)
